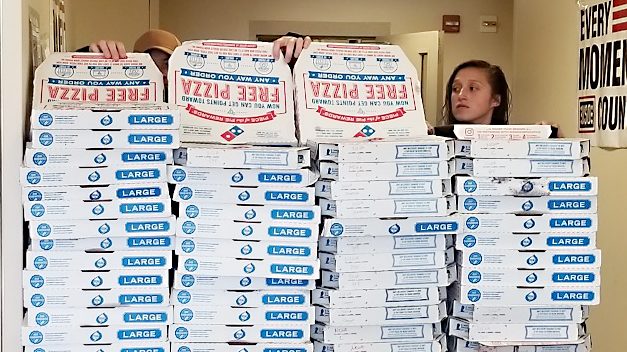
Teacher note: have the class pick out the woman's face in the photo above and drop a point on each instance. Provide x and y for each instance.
(472, 100)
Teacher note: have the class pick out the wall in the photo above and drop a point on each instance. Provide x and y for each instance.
(545, 76)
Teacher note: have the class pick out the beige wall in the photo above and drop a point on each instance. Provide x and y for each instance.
(545, 75)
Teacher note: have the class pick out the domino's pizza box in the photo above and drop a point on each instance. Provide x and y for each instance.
(207, 315)
(202, 281)
(247, 299)
(279, 231)
(218, 211)
(232, 92)
(502, 132)
(91, 81)
(54, 261)
(527, 241)
(37, 335)
(528, 223)
(521, 149)
(508, 186)
(149, 278)
(97, 193)
(520, 314)
(396, 244)
(381, 315)
(93, 157)
(84, 139)
(584, 344)
(390, 171)
(397, 297)
(346, 91)
(383, 150)
(115, 347)
(564, 277)
(502, 258)
(274, 333)
(384, 208)
(80, 298)
(527, 205)
(526, 332)
(406, 189)
(522, 167)
(245, 249)
(390, 227)
(97, 176)
(517, 296)
(131, 208)
(73, 229)
(386, 261)
(438, 345)
(243, 156)
(280, 268)
(146, 243)
(56, 117)
(389, 279)
(240, 177)
(265, 195)
(130, 316)
(376, 333)
(224, 347)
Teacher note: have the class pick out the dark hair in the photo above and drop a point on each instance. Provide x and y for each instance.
(498, 83)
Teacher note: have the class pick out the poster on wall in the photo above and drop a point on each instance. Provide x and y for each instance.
(602, 76)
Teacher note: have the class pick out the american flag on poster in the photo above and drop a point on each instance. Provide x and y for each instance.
(602, 74)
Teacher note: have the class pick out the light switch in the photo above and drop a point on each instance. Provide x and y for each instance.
(488, 24)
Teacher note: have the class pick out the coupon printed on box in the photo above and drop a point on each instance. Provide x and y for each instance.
(376, 333)
(241, 177)
(378, 150)
(60, 317)
(37, 335)
(428, 346)
(116, 209)
(390, 227)
(529, 259)
(381, 315)
(93, 157)
(407, 189)
(97, 193)
(275, 333)
(527, 205)
(246, 299)
(397, 297)
(281, 231)
(386, 261)
(232, 92)
(98, 261)
(392, 171)
(527, 278)
(73, 229)
(215, 282)
(522, 167)
(384, 208)
(561, 149)
(243, 156)
(265, 195)
(49, 280)
(508, 186)
(523, 315)
(83, 139)
(224, 347)
(529, 241)
(396, 244)
(280, 268)
(96, 176)
(501, 132)
(115, 347)
(205, 315)
(217, 211)
(156, 117)
(90, 81)
(389, 279)
(245, 249)
(80, 298)
(516, 296)
(525, 223)
(346, 91)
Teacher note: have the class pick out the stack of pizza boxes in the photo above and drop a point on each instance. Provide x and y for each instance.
(97, 204)
(528, 263)
(248, 226)
(385, 192)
